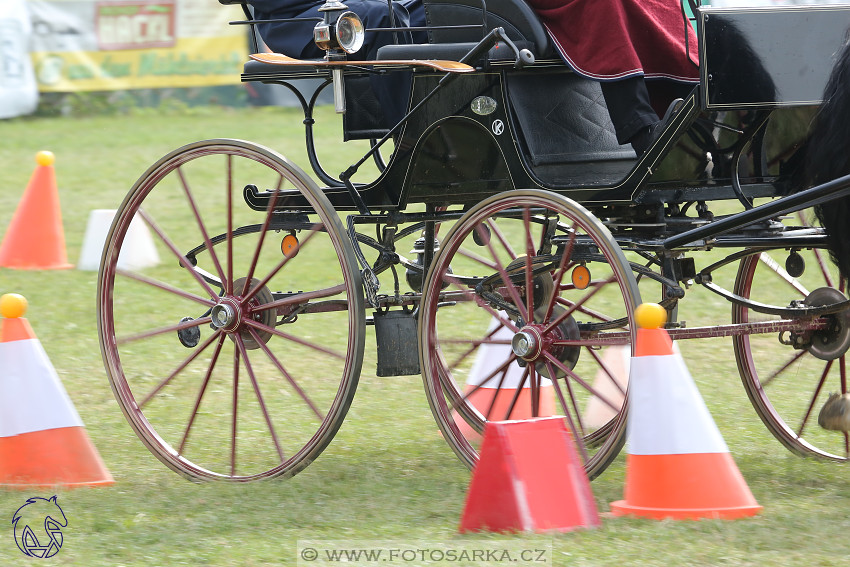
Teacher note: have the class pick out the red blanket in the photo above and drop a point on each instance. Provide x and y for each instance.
(614, 39)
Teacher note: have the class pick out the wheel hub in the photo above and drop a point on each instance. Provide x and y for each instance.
(834, 341)
(528, 343)
(232, 312)
(226, 315)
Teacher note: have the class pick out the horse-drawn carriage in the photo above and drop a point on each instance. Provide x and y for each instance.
(502, 247)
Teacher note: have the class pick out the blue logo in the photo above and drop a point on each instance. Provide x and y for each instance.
(38, 527)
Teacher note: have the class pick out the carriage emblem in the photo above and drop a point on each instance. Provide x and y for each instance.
(38, 527)
(498, 127)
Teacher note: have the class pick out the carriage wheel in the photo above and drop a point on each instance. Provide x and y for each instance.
(789, 386)
(237, 356)
(490, 350)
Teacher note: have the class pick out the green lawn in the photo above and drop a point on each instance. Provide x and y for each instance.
(388, 475)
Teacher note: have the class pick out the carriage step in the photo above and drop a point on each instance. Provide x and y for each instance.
(835, 413)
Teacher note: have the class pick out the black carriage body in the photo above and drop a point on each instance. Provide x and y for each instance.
(736, 137)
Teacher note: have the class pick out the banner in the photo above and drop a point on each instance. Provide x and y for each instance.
(100, 45)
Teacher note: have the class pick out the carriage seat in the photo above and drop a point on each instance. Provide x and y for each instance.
(515, 16)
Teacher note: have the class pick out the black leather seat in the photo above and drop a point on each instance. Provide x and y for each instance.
(515, 16)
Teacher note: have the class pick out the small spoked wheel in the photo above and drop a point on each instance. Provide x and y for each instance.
(527, 312)
(797, 379)
(236, 355)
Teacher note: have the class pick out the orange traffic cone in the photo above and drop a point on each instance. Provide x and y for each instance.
(529, 478)
(42, 439)
(35, 239)
(678, 465)
(493, 397)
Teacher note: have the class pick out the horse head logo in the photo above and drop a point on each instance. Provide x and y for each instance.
(38, 527)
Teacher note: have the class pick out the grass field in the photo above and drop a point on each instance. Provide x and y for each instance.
(388, 475)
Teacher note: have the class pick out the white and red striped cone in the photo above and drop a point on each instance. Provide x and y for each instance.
(678, 465)
(42, 439)
(494, 397)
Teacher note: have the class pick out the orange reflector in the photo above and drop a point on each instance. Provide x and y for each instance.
(289, 246)
(581, 277)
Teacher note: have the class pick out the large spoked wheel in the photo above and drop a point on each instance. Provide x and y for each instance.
(789, 386)
(528, 311)
(237, 355)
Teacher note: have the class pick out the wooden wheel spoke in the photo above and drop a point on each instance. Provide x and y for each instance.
(574, 425)
(277, 364)
(476, 258)
(584, 310)
(293, 338)
(566, 370)
(534, 380)
(606, 369)
(201, 392)
(240, 343)
(475, 343)
(529, 255)
(228, 282)
(162, 330)
(471, 296)
(517, 392)
(794, 358)
(187, 191)
(260, 240)
(563, 265)
(512, 290)
(235, 410)
(165, 287)
(577, 305)
(184, 262)
(502, 369)
(179, 369)
(492, 404)
(774, 266)
(302, 297)
(254, 290)
(814, 398)
(494, 229)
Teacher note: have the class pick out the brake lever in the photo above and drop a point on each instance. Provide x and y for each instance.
(522, 57)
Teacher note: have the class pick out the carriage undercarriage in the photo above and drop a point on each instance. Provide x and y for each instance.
(497, 268)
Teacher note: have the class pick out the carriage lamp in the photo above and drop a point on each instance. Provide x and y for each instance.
(350, 32)
(339, 33)
(344, 31)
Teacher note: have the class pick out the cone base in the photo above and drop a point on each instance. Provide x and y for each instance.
(52, 457)
(33, 268)
(685, 486)
(622, 508)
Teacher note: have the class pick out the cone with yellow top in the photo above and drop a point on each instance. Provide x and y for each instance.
(35, 239)
(678, 465)
(42, 439)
